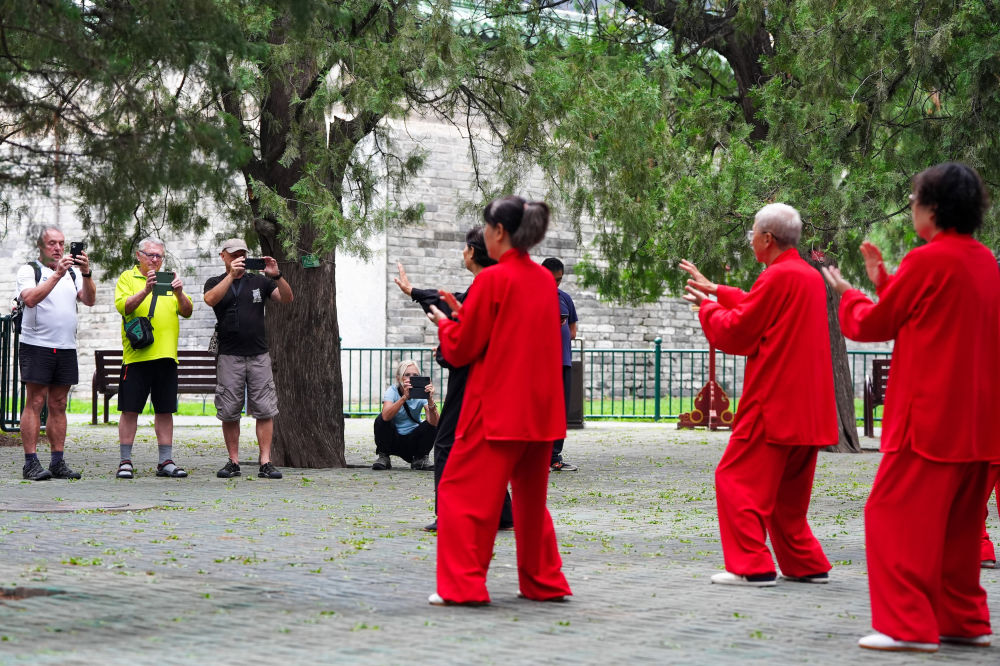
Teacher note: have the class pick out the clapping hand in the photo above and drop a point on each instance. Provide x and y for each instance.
(436, 316)
(873, 264)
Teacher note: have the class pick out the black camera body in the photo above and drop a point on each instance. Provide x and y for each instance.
(254, 263)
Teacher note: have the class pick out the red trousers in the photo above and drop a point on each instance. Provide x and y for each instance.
(922, 531)
(470, 497)
(986, 551)
(763, 490)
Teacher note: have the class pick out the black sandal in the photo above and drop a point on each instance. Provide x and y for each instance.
(176, 473)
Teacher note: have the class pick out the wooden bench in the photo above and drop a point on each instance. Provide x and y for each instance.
(875, 384)
(195, 374)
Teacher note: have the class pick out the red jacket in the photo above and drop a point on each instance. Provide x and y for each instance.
(508, 331)
(943, 309)
(781, 326)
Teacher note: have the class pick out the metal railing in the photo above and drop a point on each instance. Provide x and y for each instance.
(652, 383)
(657, 383)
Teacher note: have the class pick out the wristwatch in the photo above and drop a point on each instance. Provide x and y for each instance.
(87, 274)
(277, 277)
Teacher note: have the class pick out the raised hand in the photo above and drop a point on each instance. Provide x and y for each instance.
(873, 264)
(402, 281)
(698, 281)
(835, 279)
(694, 295)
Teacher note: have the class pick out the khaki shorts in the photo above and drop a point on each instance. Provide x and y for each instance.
(252, 374)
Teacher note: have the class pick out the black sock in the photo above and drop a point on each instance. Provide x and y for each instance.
(29, 457)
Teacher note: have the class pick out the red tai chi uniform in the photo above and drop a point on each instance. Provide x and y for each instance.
(924, 516)
(508, 333)
(787, 410)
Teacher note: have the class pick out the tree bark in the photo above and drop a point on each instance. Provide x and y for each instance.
(843, 379)
(304, 339)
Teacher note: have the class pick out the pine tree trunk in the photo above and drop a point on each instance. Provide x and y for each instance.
(304, 339)
(843, 380)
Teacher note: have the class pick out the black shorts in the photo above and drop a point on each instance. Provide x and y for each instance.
(157, 378)
(47, 366)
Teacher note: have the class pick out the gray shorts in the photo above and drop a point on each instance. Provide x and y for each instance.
(252, 374)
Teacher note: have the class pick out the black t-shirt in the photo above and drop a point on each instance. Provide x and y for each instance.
(240, 314)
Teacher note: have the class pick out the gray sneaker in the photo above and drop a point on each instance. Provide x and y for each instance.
(422, 464)
(382, 462)
(33, 471)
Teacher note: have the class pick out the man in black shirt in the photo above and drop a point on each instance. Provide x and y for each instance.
(244, 366)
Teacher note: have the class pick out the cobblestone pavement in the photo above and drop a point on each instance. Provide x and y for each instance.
(333, 566)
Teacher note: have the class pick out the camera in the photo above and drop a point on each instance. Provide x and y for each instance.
(418, 387)
(76, 248)
(254, 263)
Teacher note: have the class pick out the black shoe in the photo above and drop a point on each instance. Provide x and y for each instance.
(563, 466)
(229, 471)
(268, 471)
(382, 462)
(433, 527)
(33, 471)
(422, 464)
(506, 527)
(61, 470)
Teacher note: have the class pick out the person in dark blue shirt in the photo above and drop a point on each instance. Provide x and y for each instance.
(567, 319)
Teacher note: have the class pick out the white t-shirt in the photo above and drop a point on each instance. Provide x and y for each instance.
(51, 323)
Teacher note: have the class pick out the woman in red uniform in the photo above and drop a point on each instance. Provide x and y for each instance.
(507, 331)
(923, 520)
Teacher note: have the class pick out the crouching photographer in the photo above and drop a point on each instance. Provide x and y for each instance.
(398, 429)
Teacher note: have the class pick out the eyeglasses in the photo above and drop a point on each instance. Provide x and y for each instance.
(152, 255)
(750, 235)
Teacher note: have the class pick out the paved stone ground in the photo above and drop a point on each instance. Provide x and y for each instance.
(333, 566)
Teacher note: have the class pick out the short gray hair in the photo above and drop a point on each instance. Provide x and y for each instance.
(781, 221)
(150, 240)
(40, 241)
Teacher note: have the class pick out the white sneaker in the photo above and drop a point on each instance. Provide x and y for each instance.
(974, 641)
(726, 578)
(437, 600)
(879, 641)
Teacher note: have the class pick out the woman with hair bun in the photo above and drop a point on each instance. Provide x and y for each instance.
(475, 259)
(507, 331)
(923, 519)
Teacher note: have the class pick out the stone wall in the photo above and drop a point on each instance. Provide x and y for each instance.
(373, 314)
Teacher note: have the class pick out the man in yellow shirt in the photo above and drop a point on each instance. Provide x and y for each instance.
(150, 371)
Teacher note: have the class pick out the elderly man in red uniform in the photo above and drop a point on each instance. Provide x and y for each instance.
(787, 411)
(923, 519)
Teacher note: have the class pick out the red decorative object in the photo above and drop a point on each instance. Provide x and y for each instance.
(711, 405)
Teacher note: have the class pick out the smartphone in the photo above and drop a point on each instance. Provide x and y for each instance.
(76, 248)
(418, 387)
(164, 277)
(254, 263)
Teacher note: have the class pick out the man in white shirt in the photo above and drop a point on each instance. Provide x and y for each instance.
(50, 288)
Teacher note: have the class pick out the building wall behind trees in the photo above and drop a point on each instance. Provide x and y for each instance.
(373, 311)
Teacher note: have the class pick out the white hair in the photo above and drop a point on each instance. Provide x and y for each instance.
(150, 240)
(403, 365)
(782, 221)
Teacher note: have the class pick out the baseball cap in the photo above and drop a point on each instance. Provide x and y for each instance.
(234, 245)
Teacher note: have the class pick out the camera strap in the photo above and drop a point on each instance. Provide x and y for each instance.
(410, 413)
